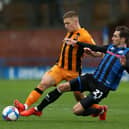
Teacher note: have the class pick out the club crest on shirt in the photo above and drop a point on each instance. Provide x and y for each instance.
(112, 48)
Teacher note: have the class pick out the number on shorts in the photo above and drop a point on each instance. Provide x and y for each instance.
(97, 94)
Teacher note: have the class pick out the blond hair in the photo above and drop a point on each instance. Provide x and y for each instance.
(70, 14)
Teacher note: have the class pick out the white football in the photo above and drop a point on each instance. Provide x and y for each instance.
(10, 113)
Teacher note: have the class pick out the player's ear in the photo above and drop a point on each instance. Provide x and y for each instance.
(123, 39)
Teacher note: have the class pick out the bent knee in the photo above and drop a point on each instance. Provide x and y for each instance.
(77, 112)
(78, 109)
(44, 84)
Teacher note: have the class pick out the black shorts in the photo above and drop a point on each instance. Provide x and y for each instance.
(88, 83)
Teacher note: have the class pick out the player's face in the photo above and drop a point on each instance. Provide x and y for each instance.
(70, 24)
(116, 38)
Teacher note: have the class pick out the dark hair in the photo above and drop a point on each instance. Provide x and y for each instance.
(124, 32)
(70, 14)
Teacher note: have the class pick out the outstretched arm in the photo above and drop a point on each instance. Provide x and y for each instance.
(88, 51)
(92, 47)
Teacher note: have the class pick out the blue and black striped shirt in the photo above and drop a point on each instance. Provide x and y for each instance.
(110, 70)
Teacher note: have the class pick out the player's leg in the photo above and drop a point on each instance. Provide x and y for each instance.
(79, 110)
(89, 103)
(35, 94)
(50, 98)
(46, 82)
(49, 79)
(83, 108)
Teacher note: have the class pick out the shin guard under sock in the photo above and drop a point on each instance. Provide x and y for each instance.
(33, 96)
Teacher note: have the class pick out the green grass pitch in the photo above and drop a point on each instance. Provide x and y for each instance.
(59, 114)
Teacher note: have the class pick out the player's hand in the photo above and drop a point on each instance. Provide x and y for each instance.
(123, 60)
(70, 41)
(88, 51)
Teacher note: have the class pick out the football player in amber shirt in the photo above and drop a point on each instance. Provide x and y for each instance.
(69, 61)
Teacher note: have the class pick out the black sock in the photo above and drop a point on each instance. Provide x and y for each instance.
(50, 97)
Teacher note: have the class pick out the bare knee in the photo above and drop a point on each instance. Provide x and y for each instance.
(78, 109)
(45, 84)
(76, 112)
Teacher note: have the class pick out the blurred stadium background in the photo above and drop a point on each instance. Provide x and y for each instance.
(31, 32)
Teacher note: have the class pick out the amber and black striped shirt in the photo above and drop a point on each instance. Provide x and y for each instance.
(70, 56)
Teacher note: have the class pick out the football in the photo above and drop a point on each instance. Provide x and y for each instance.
(10, 113)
